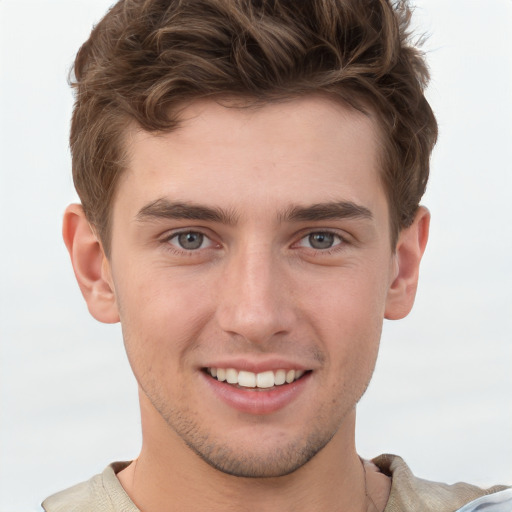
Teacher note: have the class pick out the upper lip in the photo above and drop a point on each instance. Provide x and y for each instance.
(257, 366)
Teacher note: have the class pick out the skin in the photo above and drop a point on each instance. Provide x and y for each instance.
(263, 288)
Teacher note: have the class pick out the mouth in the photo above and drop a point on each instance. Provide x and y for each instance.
(266, 380)
(266, 390)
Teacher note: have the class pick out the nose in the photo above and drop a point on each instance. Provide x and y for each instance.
(254, 299)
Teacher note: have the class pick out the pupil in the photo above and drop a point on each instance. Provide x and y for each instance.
(190, 240)
(321, 240)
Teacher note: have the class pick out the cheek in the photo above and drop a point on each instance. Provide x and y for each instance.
(347, 314)
(350, 299)
(161, 317)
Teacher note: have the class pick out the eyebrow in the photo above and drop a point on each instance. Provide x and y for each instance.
(165, 209)
(327, 211)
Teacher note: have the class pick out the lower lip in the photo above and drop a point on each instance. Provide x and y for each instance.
(254, 400)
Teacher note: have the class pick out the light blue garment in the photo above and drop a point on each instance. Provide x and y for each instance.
(497, 502)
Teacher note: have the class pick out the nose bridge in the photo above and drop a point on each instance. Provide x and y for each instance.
(253, 303)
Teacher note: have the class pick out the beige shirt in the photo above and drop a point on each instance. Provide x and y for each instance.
(104, 493)
(412, 494)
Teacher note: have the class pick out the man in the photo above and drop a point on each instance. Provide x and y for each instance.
(250, 176)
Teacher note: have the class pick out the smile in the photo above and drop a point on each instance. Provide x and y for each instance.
(262, 380)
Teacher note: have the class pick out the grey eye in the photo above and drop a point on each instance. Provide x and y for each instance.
(322, 240)
(190, 240)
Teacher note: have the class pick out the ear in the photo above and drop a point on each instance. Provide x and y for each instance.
(91, 266)
(409, 250)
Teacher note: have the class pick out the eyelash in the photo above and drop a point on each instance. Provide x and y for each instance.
(338, 246)
(182, 251)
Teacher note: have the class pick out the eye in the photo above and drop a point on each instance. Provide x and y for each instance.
(321, 240)
(190, 240)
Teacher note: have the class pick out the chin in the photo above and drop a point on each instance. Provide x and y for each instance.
(264, 460)
(261, 465)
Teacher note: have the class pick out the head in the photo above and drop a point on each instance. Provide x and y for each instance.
(250, 174)
(147, 59)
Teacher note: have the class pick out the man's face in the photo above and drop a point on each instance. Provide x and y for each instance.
(253, 244)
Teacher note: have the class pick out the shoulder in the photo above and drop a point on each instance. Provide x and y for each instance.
(417, 495)
(102, 493)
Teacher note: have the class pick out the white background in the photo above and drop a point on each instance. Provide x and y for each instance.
(442, 392)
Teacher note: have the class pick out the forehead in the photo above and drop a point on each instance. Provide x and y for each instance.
(306, 150)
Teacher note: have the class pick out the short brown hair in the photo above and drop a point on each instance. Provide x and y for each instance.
(146, 58)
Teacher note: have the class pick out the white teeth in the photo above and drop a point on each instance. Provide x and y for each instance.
(263, 380)
(280, 377)
(247, 379)
(290, 376)
(231, 376)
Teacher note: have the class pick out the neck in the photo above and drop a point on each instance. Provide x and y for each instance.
(169, 476)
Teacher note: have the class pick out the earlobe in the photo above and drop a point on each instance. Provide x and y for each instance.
(91, 266)
(409, 251)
